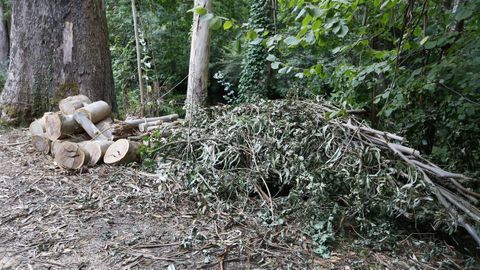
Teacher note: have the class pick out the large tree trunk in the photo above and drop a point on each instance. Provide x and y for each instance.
(58, 48)
(4, 44)
(198, 70)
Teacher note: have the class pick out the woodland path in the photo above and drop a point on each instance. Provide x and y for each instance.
(119, 218)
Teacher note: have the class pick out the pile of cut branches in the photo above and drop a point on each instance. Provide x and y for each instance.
(305, 159)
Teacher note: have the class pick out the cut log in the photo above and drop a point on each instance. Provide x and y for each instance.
(58, 126)
(55, 146)
(37, 127)
(143, 126)
(88, 126)
(105, 127)
(96, 150)
(70, 104)
(70, 156)
(74, 138)
(166, 118)
(96, 111)
(122, 151)
(41, 144)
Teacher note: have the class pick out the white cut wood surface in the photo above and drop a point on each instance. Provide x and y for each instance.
(70, 104)
(122, 151)
(58, 126)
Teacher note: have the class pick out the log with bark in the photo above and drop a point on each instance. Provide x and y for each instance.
(70, 104)
(166, 118)
(87, 125)
(122, 151)
(96, 111)
(105, 127)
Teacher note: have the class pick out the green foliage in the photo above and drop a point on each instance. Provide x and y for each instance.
(404, 61)
(253, 80)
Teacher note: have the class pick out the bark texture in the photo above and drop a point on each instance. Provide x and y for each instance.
(59, 48)
(4, 39)
(199, 55)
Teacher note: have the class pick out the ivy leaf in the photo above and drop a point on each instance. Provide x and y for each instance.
(207, 17)
(300, 75)
(271, 58)
(285, 70)
(227, 25)
(291, 41)
(463, 13)
(215, 23)
(256, 41)
(343, 31)
(275, 65)
(310, 38)
(251, 35)
(199, 10)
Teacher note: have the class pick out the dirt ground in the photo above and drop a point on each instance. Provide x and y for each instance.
(121, 218)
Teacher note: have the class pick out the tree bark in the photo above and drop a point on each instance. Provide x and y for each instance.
(4, 40)
(139, 58)
(58, 49)
(199, 55)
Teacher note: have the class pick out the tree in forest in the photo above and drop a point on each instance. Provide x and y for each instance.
(4, 43)
(58, 48)
(199, 56)
(253, 83)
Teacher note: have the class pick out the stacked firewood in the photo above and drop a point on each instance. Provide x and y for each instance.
(83, 133)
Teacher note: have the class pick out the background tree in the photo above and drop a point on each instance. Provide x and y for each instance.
(4, 37)
(199, 57)
(4, 41)
(58, 48)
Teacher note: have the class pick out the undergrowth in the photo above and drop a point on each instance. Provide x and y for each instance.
(304, 167)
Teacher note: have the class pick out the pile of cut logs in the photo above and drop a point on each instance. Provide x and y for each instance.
(83, 133)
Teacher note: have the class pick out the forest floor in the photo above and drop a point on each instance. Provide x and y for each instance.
(119, 218)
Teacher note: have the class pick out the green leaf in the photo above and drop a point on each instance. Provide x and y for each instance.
(271, 58)
(291, 41)
(300, 75)
(215, 23)
(425, 39)
(207, 17)
(310, 38)
(227, 25)
(343, 31)
(462, 13)
(285, 70)
(199, 10)
(275, 65)
(256, 41)
(251, 35)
